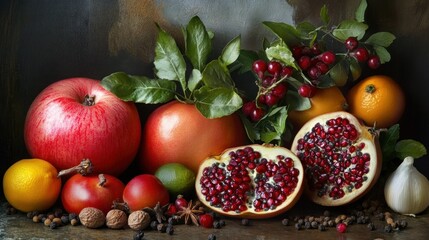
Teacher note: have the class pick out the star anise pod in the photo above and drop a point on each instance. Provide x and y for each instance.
(190, 212)
(158, 212)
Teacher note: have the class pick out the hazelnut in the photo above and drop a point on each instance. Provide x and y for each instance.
(138, 220)
(92, 217)
(116, 219)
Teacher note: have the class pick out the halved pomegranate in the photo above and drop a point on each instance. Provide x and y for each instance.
(253, 181)
(341, 158)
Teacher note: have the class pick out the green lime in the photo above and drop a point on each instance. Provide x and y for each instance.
(177, 178)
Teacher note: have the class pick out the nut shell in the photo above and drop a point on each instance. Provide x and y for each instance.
(91, 217)
(138, 220)
(116, 219)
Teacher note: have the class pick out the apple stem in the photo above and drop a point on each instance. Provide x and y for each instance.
(89, 100)
(102, 180)
(84, 168)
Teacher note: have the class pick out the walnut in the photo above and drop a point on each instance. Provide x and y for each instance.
(92, 217)
(116, 219)
(138, 220)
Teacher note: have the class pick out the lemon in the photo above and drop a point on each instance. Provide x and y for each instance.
(31, 185)
(177, 178)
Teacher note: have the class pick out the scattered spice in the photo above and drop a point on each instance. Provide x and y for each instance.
(159, 212)
(190, 213)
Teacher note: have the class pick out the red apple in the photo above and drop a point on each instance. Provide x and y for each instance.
(77, 118)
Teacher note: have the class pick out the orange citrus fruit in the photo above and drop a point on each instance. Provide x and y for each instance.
(31, 185)
(377, 100)
(325, 100)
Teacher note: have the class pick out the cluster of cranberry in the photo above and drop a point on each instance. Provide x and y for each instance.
(272, 87)
(312, 62)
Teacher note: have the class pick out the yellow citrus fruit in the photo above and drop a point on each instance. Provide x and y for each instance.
(325, 100)
(31, 185)
(177, 178)
(377, 100)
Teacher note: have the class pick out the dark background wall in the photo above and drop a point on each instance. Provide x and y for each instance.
(43, 41)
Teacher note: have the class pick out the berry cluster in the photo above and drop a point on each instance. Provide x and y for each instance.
(361, 54)
(312, 61)
(272, 88)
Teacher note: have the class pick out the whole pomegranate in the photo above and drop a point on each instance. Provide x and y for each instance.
(178, 133)
(253, 181)
(341, 158)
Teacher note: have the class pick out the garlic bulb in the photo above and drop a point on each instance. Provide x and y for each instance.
(407, 190)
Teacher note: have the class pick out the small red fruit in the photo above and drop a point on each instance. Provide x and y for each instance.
(351, 43)
(361, 54)
(307, 90)
(374, 62)
(274, 67)
(257, 114)
(259, 67)
(145, 190)
(180, 202)
(206, 220)
(328, 57)
(341, 227)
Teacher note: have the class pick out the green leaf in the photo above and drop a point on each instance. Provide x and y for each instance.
(382, 53)
(285, 32)
(217, 102)
(169, 61)
(139, 89)
(282, 53)
(410, 147)
(355, 68)
(339, 73)
(251, 130)
(350, 28)
(216, 74)
(231, 51)
(297, 102)
(198, 43)
(194, 79)
(306, 30)
(383, 39)
(324, 16)
(388, 141)
(360, 11)
(245, 60)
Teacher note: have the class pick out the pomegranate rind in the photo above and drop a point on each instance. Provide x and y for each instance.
(366, 136)
(268, 152)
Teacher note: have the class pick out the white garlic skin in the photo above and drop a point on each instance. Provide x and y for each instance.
(407, 190)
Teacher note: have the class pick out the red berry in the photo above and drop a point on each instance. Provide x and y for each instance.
(268, 81)
(323, 67)
(180, 202)
(261, 99)
(257, 114)
(328, 57)
(274, 67)
(171, 210)
(374, 62)
(315, 49)
(341, 227)
(361, 54)
(351, 43)
(259, 66)
(248, 108)
(271, 99)
(206, 220)
(297, 51)
(304, 62)
(279, 90)
(314, 73)
(286, 71)
(307, 90)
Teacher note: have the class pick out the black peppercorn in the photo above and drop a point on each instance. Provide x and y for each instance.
(371, 226)
(285, 222)
(212, 237)
(139, 235)
(169, 230)
(245, 222)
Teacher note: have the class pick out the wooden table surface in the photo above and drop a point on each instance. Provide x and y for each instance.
(18, 226)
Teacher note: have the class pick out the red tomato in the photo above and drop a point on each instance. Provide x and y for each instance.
(177, 132)
(86, 191)
(145, 190)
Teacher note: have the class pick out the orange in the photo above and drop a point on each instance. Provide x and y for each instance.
(377, 100)
(31, 185)
(325, 100)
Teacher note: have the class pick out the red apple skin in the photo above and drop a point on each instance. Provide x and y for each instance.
(177, 132)
(60, 129)
(80, 191)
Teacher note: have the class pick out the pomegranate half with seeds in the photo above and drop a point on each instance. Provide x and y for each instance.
(253, 181)
(341, 158)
